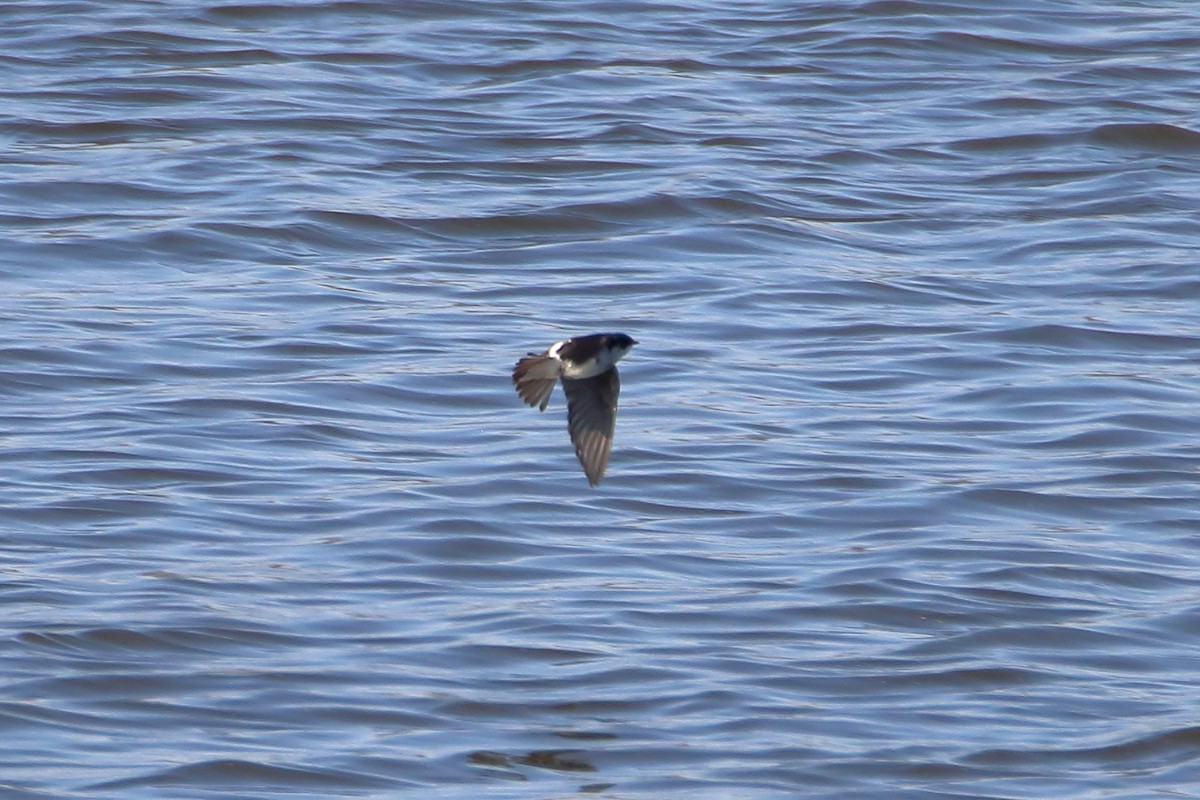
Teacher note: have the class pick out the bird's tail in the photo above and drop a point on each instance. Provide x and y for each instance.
(535, 376)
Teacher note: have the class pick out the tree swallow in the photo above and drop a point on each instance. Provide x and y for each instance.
(587, 366)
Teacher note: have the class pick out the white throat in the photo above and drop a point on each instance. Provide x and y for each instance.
(605, 360)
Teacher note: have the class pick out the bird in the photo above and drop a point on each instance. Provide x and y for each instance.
(587, 367)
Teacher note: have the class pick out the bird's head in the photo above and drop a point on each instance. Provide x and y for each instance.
(619, 344)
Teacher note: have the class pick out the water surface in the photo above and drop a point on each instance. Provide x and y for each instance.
(903, 502)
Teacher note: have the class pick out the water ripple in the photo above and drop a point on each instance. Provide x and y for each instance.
(902, 500)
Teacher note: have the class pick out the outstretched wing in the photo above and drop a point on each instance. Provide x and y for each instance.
(535, 376)
(592, 418)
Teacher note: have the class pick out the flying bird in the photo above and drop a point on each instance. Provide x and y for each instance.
(587, 366)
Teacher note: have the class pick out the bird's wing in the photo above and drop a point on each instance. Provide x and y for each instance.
(535, 376)
(592, 418)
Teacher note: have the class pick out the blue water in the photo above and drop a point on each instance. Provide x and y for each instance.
(904, 500)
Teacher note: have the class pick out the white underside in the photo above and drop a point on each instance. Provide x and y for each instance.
(605, 360)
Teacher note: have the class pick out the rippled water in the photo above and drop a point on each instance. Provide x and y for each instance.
(904, 498)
